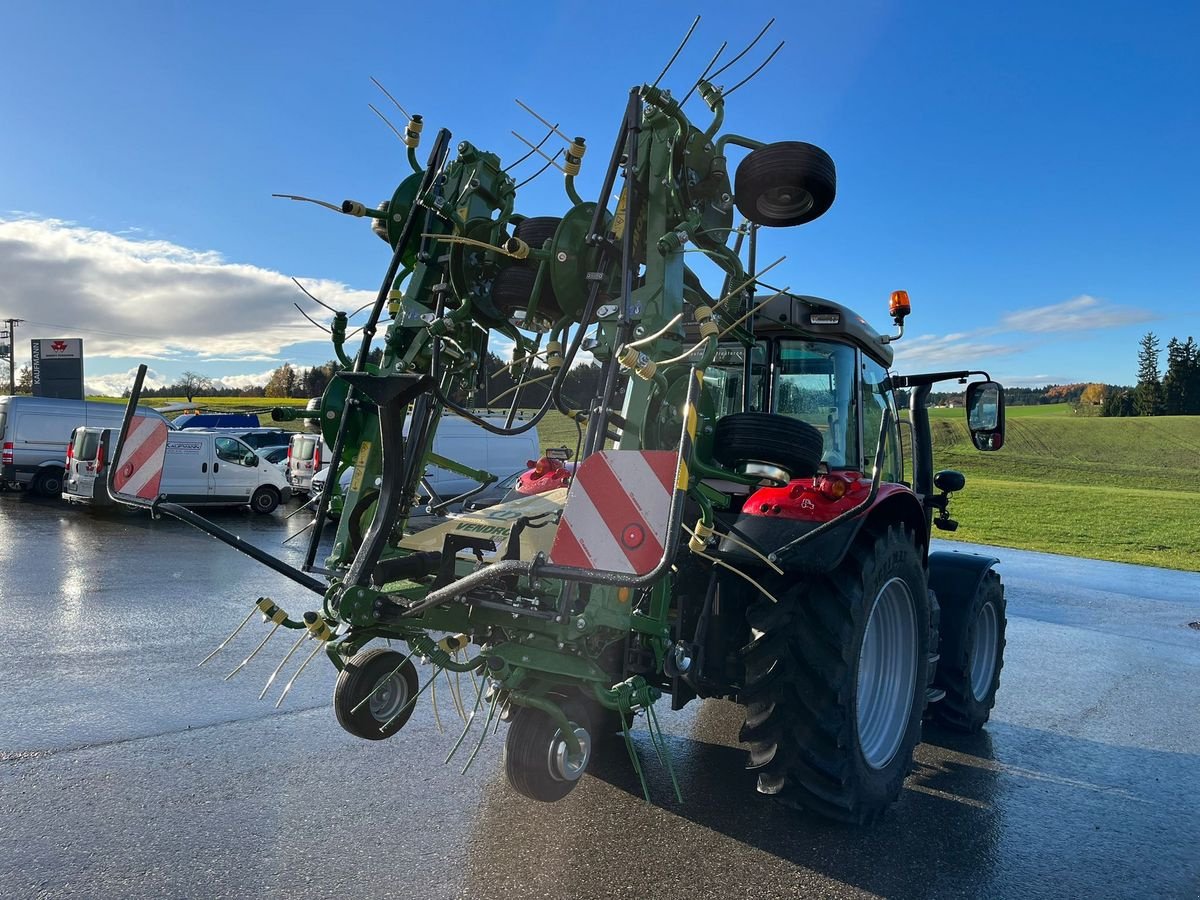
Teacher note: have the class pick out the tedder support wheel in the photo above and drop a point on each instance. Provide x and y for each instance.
(361, 676)
(835, 682)
(265, 500)
(514, 285)
(788, 183)
(972, 655)
(537, 760)
(767, 439)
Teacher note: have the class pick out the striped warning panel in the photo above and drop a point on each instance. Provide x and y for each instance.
(616, 515)
(139, 470)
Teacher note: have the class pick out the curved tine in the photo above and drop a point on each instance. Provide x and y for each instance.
(221, 646)
(540, 171)
(287, 688)
(748, 48)
(546, 122)
(704, 74)
(756, 71)
(283, 662)
(336, 209)
(311, 319)
(360, 309)
(390, 97)
(549, 134)
(675, 55)
(395, 131)
(310, 296)
(437, 719)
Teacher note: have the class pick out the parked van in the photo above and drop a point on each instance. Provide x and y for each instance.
(201, 468)
(307, 455)
(35, 431)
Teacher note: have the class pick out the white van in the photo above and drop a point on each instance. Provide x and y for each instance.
(307, 455)
(35, 431)
(201, 468)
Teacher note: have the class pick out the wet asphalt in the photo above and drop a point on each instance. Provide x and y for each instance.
(127, 772)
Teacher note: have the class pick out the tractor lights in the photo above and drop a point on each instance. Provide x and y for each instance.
(899, 306)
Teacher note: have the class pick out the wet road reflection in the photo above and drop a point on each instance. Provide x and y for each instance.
(124, 771)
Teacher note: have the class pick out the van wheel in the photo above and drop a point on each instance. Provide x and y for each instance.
(265, 500)
(49, 483)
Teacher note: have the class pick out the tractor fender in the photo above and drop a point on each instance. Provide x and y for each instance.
(957, 576)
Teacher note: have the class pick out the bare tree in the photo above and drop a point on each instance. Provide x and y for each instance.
(25, 380)
(192, 383)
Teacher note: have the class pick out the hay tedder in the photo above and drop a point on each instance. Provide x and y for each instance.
(742, 523)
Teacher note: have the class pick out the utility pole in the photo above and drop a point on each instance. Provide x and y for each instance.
(11, 334)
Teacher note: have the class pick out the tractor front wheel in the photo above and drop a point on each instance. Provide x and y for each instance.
(835, 681)
(972, 655)
(537, 760)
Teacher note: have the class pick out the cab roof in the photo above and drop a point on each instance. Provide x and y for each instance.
(816, 317)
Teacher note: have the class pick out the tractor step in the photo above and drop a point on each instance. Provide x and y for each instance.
(933, 695)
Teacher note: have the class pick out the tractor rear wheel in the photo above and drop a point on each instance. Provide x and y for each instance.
(835, 682)
(768, 439)
(787, 183)
(972, 655)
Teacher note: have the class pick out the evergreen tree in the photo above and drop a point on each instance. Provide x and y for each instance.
(1191, 378)
(1148, 393)
(1174, 382)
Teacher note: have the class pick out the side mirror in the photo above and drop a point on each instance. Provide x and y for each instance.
(250, 460)
(985, 414)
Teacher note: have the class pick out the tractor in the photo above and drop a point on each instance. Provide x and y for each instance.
(745, 520)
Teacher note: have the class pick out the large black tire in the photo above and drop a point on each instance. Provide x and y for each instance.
(972, 655)
(48, 482)
(534, 753)
(514, 285)
(359, 678)
(766, 438)
(804, 714)
(264, 500)
(788, 183)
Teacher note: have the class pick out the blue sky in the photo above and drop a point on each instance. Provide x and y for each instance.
(1027, 171)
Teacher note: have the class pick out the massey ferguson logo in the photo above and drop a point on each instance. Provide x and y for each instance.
(58, 346)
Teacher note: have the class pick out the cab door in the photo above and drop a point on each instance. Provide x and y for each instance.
(234, 471)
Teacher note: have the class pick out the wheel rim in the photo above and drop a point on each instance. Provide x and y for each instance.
(983, 651)
(390, 698)
(784, 202)
(887, 673)
(565, 765)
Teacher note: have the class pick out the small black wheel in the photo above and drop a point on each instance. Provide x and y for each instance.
(972, 654)
(767, 439)
(391, 702)
(264, 500)
(512, 288)
(537, 761)
(788, 183)
(49, 483)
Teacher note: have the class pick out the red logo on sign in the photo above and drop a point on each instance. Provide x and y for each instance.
(58, 346)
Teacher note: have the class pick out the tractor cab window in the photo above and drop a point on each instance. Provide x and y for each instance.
(725, 378)
(815, 382)
(877, 395)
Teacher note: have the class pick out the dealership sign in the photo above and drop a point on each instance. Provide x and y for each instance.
(57, 367)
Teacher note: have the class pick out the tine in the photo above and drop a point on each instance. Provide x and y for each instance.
(287, 687)
(282, 663)
(221, 646)
(466, 728)
(482, 734)
(243, 663)
(375, 690)
(437, 719)
(678, 50)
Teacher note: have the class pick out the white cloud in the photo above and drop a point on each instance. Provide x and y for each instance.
(961, 350)
(1082, 313)
(115, 384)
(151, 299)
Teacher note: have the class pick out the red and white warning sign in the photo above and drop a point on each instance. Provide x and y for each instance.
(139, 470)
(616, 515)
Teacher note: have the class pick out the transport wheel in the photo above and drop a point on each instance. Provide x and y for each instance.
(536, 758)
(361, 676)
(835, 682)
(48, 483)
(264, 500)
(514, 285)
(972, 655)
(771, 440)
(788, 183)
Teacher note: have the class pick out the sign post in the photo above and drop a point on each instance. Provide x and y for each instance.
(57, 367)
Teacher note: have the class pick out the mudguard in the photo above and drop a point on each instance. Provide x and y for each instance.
(957, 575)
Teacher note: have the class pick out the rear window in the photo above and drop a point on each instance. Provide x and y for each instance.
(303, 449)
(85, 445)
(3, 422)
